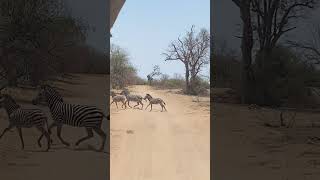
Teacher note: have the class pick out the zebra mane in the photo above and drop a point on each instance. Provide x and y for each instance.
(149, 95)
(54, 92)
(8, 98)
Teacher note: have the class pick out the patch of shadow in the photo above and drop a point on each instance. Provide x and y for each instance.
(237, 130)
(252, 156)
(274, 151)
(271, 125)
(22, 157)
(130, 131)
(90, 148)
(314, 163)
(39, 151)
(24, 164)
(273, 164)
(312, 154)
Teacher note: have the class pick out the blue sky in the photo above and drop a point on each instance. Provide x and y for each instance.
(145, 28)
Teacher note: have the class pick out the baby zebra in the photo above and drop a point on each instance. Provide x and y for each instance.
(154, 101)
(118, 98)
(89, 117)
(24, 118)
(131, 97)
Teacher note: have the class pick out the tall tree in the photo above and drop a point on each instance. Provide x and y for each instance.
(246, 49)
(311, 46)
(33, 34)
(155, 72)
(271, 20)
(193, 51)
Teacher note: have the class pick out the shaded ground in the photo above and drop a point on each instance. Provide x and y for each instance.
(61, 163)
(173, 145)
(246, 149)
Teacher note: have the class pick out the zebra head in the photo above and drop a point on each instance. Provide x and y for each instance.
(7, 102)
(124, 92)
(45, 94)
(148, 96)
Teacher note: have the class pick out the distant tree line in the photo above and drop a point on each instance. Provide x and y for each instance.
(267, 64)
(40, 40)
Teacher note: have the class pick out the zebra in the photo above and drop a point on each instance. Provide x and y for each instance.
(155, 101)
(89, 117)
(131, 97)
(24, 118)
(118, 98)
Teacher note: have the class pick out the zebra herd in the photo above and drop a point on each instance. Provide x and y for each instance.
(125, 98)
(89, 117)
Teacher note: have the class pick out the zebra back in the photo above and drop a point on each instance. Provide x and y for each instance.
(72, 114)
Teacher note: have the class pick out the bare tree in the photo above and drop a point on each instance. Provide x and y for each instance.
(193, 52)
(246, 49)
(311, 47)
(271, 20)
(33, 36)
(155, 72)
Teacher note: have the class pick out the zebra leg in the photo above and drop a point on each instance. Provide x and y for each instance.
(49, 131)
(141, 105)
(90, 135)
(124, 104)
(21, 138)
(151, 107)
(6, 130)
(117, 105)
(136, 105)
(44, 133)
(147, 106)
(52, 126)
(59, 128)
(165, 107)
(102, 135)
(129, 104)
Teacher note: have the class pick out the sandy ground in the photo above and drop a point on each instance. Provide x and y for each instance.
(61, 162)
(243, 148)
(173, 145)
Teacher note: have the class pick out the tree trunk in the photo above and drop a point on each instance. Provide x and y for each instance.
(246, 48)
(263, 78)
(188, 89)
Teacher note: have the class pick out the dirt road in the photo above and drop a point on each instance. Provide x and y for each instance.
(157, 145)
(63, 163)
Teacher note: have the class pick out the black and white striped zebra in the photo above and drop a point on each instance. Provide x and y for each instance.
(63, 113)
(155, 101)
(24, 118)
(118, 98)
(131, 97)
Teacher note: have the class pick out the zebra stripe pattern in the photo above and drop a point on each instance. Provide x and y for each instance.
(155, 101)
(89, 117)
(118, 98)
(24, 118)
(131, 97)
